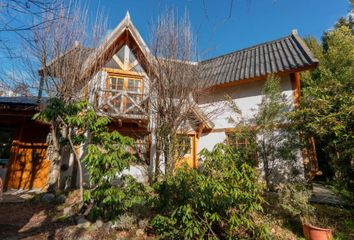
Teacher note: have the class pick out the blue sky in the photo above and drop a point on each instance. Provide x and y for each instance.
(220, 30)
(219, 27)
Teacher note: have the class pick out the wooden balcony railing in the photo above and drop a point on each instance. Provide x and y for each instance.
(121, 103)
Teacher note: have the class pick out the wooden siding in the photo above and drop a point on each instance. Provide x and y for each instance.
(28, 166)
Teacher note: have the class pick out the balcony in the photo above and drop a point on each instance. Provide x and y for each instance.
(122, 104)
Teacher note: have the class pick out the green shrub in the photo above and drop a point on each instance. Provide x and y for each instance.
(221, 200)
(105, 159)
(110, 202)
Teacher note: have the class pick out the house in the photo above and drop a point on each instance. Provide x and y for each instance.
(119, 89)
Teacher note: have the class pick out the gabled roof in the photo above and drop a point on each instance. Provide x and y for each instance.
(111, 44)
(286, 54)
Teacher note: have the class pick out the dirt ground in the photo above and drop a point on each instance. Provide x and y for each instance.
(34, 219)
(39, 220)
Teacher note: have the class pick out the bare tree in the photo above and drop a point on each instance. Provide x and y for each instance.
(174, 84)
(18, 18)
(62, 49)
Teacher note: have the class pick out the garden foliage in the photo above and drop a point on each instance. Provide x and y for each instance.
(326, 110)
(221, 200)
(106, 155)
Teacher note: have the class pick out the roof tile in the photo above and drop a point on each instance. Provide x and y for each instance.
(285, 54)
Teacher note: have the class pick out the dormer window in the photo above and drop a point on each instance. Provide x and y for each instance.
(124, 86)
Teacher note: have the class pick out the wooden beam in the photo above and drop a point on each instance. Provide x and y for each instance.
(295, 86)
(122, 73)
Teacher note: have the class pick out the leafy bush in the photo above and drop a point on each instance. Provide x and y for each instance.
(110, 202)
(220, 200)
(106, 157)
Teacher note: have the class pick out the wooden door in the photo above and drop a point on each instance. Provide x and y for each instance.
(191, 155)
(28, 167)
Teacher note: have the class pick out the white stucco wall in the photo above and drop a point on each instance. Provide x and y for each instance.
(246, 96)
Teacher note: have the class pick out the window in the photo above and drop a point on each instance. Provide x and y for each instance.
(130, 89)
(245, 142)
(183, 145)
(125, 60)
(236, 140)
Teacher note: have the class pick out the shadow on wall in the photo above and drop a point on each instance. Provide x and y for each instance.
(28, 166)
(245, 90)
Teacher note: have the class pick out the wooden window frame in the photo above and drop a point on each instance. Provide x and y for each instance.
(126, 78)
(192, 154)
(235, 131)
(190, 137)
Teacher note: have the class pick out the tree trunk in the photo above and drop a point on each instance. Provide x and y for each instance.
(73, 182)
(80, 179)
(265, 164)
(77, 159)
(168, 155)
(55, 167)
(153, 151)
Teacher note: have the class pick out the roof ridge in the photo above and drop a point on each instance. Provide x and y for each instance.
(305, 48)
(247, 48)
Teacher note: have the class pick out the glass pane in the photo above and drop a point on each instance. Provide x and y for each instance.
(5, 144)
(134, 85)
(121, 54)
(120, 84)
(183, 145)
(137, 68)
(113, 83)
(130, 83)
(132, 57)
(112, 64)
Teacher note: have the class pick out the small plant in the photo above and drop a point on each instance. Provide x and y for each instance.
(294, 201)
(126, 222)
